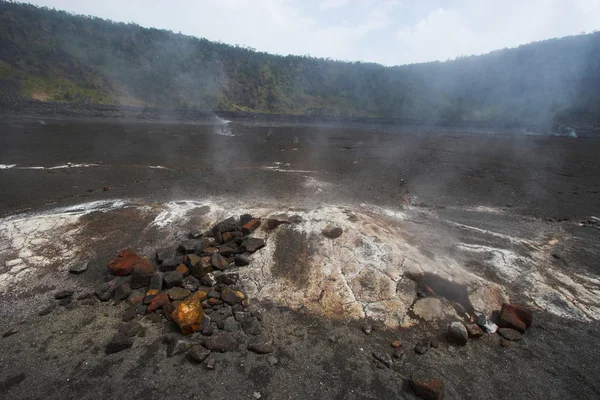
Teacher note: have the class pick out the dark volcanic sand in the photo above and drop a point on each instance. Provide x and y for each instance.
(62, 355)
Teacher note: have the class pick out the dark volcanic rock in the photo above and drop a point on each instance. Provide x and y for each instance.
(220, 342)
(228, 250)
(457, 333)
(253, 244)
(384, 358)
(245, 218)
(187, 246)
(230, 325)
(106, 291)
(191, 283)
(77, 269)
(63, 294)
(422, 347)
(129, 314)
(10, 332)
(210, 364)
(171, 263)
(122, 291)
(156, 281)
(261, 344)
(173, 279)
(228, 225)
(509, 334)
(427, 387)
(208, 280)
(484, 323)
(241, 260)
(130, 329)
(178, 346)
(198, 266)
(198, 354)
(332, 232)
(251, 326)
(141, 275)
(119, 342)
(178, 293)
(47, 310)
(165, 254)
(218, 261)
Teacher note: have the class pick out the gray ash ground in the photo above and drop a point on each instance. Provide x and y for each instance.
(547, 183)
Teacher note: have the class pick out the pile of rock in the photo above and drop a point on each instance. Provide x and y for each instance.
(193, 285)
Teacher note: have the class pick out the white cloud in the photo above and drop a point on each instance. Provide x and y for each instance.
(331, 4)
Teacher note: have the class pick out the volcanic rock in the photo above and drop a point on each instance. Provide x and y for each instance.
(183, 269)
(208, 280)
(228, 225)
(198, 266)
(171, 263)
(165, 254)
(427, 387)
(156, 282)
(141, 275)
(332, 232)
(130, 329)
(245, 218)
(208, 251)
(190, 283)
(457, 333)
(504, 342)
(253, 244)
(396, 343)
(218, 261)
(125, 261)
(241, 315)
(272, 360)
(66, 301)
(187, 246)
(161, 300)
(484, 323)
(251, 326)
(178, 346)
(47, 310)
(229, 325)
(173, 279)
(231, 296)
(122, 291)
(261, 344)
(509, 334)
(77, 269)
(221, 342)
(251, 226)
(509, 318)
(524, 314)
(119, 342)
(10, 332)
(198, 354)
(384, 358)
(149, 297)
(106, 291)
(189, 313)
(130, 314)
(141, 309)
(474, 331)
(178, 293)
(228, 250)
(210, 364)
(241, 260)
(63, 294)
(422, 347)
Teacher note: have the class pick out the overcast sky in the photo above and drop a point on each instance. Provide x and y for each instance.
(389, 32)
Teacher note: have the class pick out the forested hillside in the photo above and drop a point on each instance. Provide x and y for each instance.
(57, 56)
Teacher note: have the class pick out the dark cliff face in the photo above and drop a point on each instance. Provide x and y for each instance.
(62, 57)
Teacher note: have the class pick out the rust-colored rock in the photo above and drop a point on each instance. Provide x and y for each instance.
(474, 331)
(125, 261)
(251, 226)
(512, 315)
(183, 269)
(525, 314)
(152, 292)
(427, 388)
(213, 302)
(396, 343)
(189, 313)
(135, 300)
(159, 301)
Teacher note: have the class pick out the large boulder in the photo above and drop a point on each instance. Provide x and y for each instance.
(125, 261)
(189, 313)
